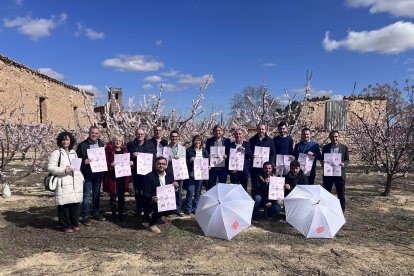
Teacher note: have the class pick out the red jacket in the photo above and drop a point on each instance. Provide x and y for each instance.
(109, 180)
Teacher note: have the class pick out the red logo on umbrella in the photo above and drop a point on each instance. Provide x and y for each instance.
(320, 229)
(235, 225)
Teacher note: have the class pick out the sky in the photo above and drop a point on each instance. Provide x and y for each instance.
(139, 45)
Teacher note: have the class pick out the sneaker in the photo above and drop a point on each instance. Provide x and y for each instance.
(187, 213)
(154, 229)
(86, 221)
(180, 214)
(98, 217)
(68, 230)
(76, 228)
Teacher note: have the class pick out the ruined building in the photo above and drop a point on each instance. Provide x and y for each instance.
(44, 99)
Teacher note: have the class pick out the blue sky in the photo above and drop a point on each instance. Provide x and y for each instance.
(137, 45)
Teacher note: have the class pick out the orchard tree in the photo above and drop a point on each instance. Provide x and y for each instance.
(384, 136)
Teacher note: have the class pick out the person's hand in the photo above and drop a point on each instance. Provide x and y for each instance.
(322, 163)
(135, 154)
(154, 199)
(234, 171)
(87, 161)
(176, 157)
(225, 156)
(68, 169)
(113, 164)
(240, 149)
(176, 185)
(287, 186)
(268, 204)
(310, 153)
(192, 159)
(292, 157)
(341, 164)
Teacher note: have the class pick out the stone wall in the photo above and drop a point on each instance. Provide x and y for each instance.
(45, 100)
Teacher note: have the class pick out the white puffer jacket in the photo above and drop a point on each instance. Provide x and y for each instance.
(70, 185)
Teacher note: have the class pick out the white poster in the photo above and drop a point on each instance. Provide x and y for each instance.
(166, 152)
(75, 163)
(276, 188)
(217, 157)
(144, 163)
(331, 165)
(261, 155)
(122, 165)
(306, 162)
(160, 150)
(236, 160)
(283, 164)
(201, 169)
(98, 159)
(166, 198)
(180, 169)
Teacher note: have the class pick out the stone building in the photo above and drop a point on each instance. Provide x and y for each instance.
(44, 99)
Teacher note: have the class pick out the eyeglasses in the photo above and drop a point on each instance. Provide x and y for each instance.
(174, 136)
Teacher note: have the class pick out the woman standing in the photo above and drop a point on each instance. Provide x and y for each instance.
(69, 189)
(116, 187)
(194, 186)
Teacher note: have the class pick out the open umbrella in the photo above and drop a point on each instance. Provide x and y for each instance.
(224, 211)
(313, 211)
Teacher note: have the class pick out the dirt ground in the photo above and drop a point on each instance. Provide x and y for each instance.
(377, 239)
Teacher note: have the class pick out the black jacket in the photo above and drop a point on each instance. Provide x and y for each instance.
(191, 152)
(146, 147)
(248, 155)
(152, 181)
(343, 150)
(300, 179)
(81, 152)
(266, 142)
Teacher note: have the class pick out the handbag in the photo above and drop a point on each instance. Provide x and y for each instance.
(50, 181)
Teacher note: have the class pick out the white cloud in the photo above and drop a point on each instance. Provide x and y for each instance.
(94, 35)
(51, 73)
(297, 94)
(268, 64)
(392, 39)
(147, 86)
(189, 79)
(170, 73)
(35, 28)
(158, 42)
(18, 2)
(169, 87)
(397, 8)
(133, 63)
(153, 78)
(410, 69)
(409, 60)
(88, 32)
(90, 88)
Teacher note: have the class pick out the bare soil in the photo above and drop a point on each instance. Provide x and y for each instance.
(377, 239)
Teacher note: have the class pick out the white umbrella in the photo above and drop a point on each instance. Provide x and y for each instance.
(314, 212)
(224, 211)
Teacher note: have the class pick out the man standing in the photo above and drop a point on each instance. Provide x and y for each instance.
(241, 177)
(157, 141)
(135, 147)
(261, 139)
(92, 180)
(283, 142)
(309, 147)
(339, 181)
(154, 179)
(218, 140)
(177, 152)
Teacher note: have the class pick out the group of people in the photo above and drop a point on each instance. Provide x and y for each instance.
(75, 188)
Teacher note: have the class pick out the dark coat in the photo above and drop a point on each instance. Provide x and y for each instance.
(343, 150)
(81, 152)
(300, 179)
(248, 155)
(154, 143)
(151, 183)
(146, 147)
(283, 145)
(262, 186)
(109, 180)
(265, 142)
(226, 143)
(191, 152)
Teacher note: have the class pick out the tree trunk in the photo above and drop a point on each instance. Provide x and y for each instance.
(388, 185)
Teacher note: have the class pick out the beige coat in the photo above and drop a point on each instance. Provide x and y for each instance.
(69, 188)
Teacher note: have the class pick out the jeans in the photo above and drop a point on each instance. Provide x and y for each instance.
(339, 182)
(92, 184)
(260, 202)
(214, 174)
(179, 195)
(239, 178)
(193, 189)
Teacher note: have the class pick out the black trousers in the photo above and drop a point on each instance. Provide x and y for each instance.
(155, 215)
(329, 181)
(68, 215)
(138, 181)
(239, 178)
(120, 194)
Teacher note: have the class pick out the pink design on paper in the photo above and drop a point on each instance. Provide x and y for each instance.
(235, 225)
(320, 229)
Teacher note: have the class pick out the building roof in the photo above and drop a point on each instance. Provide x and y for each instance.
(19, 65)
